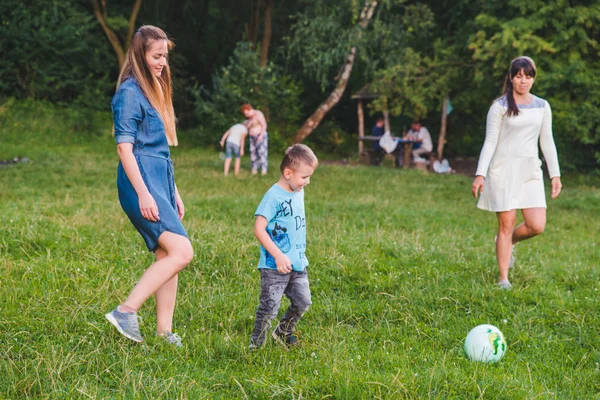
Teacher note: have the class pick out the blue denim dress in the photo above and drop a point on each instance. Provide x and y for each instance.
(136, 122)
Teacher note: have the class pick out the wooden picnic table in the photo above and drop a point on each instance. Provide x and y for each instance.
(408, 144)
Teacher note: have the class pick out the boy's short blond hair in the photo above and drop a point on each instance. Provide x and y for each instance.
(297, 155)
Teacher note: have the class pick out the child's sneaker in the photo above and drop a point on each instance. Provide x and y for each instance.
(286, 341)
(172, 338)
(253, 346)
(126, 323)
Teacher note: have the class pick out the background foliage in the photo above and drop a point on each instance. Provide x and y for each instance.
(414, 52)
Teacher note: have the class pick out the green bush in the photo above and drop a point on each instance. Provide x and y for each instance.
(51, 50)
(268, 89)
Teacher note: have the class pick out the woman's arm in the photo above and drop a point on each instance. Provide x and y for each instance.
(547, 143)
(492, 133)
(179, 203)
(549, 151)
(148, 206)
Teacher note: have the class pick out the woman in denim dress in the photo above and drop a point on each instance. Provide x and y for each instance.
(144, 124)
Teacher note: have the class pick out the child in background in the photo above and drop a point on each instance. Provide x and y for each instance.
(234, 145)
(280, 227)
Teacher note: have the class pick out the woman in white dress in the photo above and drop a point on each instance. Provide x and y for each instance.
(509, 166)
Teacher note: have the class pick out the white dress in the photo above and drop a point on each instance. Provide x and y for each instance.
(509, 159)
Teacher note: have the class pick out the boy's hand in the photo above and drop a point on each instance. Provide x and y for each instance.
(284, 265)
(241, 152)
(222, 143)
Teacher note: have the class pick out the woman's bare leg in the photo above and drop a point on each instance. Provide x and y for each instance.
(506, 224)
(533, 224)
(179, 253)
(166, 297)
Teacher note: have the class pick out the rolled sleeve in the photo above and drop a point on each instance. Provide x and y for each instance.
(127, 115)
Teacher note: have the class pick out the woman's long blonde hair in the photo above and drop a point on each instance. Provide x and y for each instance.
(158, 90)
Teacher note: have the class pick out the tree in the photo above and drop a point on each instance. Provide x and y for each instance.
(343, 76)
(51, 51)
(563, 40)
(119, 45)
(267, 32)
(243, 80)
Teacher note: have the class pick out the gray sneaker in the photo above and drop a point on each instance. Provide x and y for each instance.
(172, 338)
(126, 323)
(513, 256)
(504, 285)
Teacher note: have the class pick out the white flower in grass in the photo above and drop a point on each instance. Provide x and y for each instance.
(504, 321)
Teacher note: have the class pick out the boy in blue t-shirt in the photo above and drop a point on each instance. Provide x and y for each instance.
(280, 227)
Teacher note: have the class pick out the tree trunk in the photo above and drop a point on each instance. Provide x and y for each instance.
(132, 18)
(386, 122)
(254, 21)
(266, 40)
(361, 127)
(442, 138)
(101, 16)
(315, 119)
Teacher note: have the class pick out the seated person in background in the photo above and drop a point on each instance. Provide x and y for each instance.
(377, 131)
(424, 144)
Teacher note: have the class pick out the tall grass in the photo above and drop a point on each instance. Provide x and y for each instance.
(402, 267)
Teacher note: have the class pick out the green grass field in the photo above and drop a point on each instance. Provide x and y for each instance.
(402, 267)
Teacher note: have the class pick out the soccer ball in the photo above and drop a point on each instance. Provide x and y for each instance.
(485, 343)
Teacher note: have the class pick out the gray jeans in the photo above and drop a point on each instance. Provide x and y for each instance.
(273, 285)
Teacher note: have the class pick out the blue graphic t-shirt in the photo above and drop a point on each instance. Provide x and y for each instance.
(286, 226)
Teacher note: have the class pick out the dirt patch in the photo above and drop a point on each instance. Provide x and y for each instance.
(465, 166)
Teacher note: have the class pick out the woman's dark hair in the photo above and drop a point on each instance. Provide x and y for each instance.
(520, 63)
